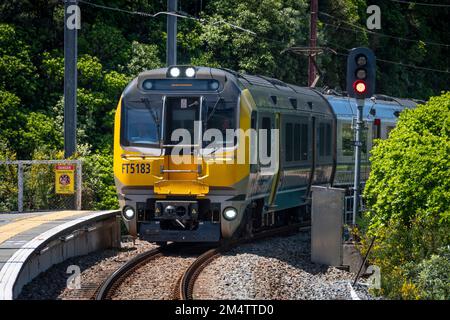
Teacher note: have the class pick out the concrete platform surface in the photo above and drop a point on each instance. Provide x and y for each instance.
(30, 243)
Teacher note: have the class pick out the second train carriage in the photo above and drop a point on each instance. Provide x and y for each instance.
(212, 195)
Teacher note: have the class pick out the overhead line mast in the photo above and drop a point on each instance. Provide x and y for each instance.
(312, 72)
(171, 49)
(70, 76)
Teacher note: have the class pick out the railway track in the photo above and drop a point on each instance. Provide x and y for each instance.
(185, 286)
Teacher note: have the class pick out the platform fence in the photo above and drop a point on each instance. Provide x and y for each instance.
(348, 209)
(30, 185)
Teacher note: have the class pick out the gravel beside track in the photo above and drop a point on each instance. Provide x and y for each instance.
(95, 267)
(277, 268)
(156, 280)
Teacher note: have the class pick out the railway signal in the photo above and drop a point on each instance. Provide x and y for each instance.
(360, 85)
(361, 73)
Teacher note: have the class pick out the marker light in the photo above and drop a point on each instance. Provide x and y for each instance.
(230, 213)
(128, 212)
(147, 84)
(174, 72)
(360, 86)
(190, 72)
(214, 85)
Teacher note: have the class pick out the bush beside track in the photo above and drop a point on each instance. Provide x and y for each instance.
(408, 196)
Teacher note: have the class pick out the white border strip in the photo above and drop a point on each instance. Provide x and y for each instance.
(12, 268)
(353, 292)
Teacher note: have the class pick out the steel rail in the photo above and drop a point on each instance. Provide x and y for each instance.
(185, 287)
(116, 278)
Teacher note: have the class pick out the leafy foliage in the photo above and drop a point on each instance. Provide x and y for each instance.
(408, 192)
(431, 276)
(113, 47)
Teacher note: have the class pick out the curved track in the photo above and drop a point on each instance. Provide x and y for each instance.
(107, 289)
(185, 285)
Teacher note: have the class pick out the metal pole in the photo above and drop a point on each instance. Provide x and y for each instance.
(79, 184)
(312, 43)
(358, 145)
(20, 187)
(171, 47)
(71, 23)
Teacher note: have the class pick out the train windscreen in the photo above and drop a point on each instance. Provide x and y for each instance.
(141, 123)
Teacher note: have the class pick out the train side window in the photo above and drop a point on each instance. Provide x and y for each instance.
(266, 125)
(289, 142)
(304, 142)
(297, 139)
(348, 137)
(324, 139)
(321, 136)
(347, 140)
(328, 139)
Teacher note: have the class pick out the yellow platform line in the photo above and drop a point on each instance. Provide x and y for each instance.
(24, 224)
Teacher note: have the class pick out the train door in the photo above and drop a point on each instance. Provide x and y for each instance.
(183, 116)
(276, 157)
(268, 155)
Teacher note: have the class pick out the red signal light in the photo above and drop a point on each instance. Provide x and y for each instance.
(359, 86)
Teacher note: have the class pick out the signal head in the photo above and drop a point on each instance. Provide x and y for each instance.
(361, 73)
(360, 87)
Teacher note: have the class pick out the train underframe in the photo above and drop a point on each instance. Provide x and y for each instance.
(183, 219)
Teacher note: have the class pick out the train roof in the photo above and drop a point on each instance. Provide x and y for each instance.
(267, 92)
(270, 93)
(382, 107)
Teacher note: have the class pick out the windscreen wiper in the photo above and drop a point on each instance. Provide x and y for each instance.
(213, 110)
(154, 115)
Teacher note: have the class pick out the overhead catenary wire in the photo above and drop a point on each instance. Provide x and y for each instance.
(365, 30)
(204, 21)
(403, 64)
(167, 13)
(422, 4)
(184, 16)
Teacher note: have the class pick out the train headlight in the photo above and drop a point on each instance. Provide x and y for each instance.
(174, 72)
(230, 213)
(189, 72)
(128, 212)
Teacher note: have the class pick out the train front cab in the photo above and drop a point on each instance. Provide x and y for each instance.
(180, 201)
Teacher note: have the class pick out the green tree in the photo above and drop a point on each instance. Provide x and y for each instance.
(277, 24)
(107, 43)
(143, 57)
(17, 72)
(408, 192)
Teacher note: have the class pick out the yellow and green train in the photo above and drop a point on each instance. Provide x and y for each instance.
(182, 175)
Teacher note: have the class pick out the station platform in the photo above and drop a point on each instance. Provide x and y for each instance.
(30, 243)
